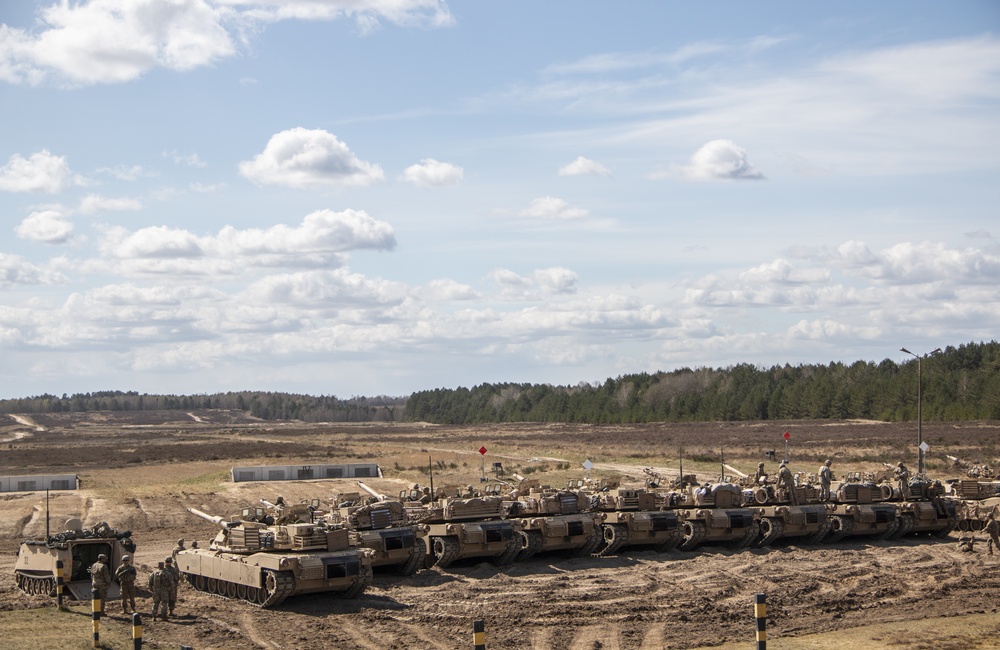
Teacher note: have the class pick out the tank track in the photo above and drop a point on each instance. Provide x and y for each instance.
(944, 532)
(509, 555)
(840, 527)
(279, 585)
(819, 535)
(362, 582)
(36, 586)
(676, 537)
(615, 537)
(531, 543)
(415, 561)
(890, 532)
(445, 550)
(753, 532)
(907, 521)
(771, 529)
(694, 533)
(592, 544)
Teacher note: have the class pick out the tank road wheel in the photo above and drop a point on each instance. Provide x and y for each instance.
(770, 530)
(277, 586)
(819, 535)
(261, 596)
(890, 532)
(976, 525)
(531, 542)
(907, 521)
(963, 525)
(840, 527)
(361, 582)
(417, 559)
(252, 593)
(231, 589)
(509, 555)
(199, 583)
(211, 585)
(52, 586)
(694, 532)
(241, 592)
(615, 537)
(592, 544)
(445, 550)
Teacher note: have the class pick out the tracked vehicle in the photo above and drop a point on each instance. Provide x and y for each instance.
(808, 522)
(927, 510)
(467, 528)
(714, 514)
(263, 564)
(858, 509)
(553, 520)
(634, 517)
(78, 548)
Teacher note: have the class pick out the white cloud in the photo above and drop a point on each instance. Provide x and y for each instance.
(446, 290)
(550, 207)
(47, 226)
(584, 166)
(720, 160)
(15, 270)
(41, 172)
(123, 173)
(431, 173)
(93, 204)
(367, 13)
(783, 272)
(320, 289)
(541, 283)
(305, 158)
(190, 160)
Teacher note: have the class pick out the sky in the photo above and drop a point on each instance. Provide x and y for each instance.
(376, 197)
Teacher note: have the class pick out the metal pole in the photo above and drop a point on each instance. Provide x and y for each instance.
(479, 635)
(95, 603)
(136, 631)
(60, 577)
(920, 418)
(760, 613)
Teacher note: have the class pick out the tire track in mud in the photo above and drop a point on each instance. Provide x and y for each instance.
(249, 630)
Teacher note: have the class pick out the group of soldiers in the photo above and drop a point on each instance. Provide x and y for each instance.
(966, 543)
(786, 480)
(162, 582)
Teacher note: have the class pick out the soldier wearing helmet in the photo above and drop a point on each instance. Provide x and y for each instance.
(761, 476)
(161, 583)
(175, 573)
(126, 575)
(787, 482)
(177, 549)
(100, 578)
(825, 479)
(902, 480)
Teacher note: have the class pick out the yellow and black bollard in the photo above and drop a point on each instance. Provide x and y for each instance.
(60, 581)
(479, 635)
(760, 612)
(95, 601)
(136, 631)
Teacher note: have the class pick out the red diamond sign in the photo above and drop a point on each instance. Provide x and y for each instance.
(787, 435)
(482, 450)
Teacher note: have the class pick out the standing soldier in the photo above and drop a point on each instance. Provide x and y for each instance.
(992, 529)
(160, 582)
(761, 476)
(175, 573)
(785, 480)
(126, 575)
(100, 578)
(825, 479)
(902, 480)
(177, 549)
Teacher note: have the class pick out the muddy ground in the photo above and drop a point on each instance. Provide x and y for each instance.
(140, 471)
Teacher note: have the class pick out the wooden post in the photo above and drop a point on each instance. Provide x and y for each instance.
(95, 602)
(60, 581)
(479, 635)
(136, 631)
(760, 612)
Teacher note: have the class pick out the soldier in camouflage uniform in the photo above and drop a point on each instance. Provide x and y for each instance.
(825, 480)
(126, 575)
(100, 578)
(161, 583)
(787, 481)
(175, 573)
(177, 549)
(992, 529)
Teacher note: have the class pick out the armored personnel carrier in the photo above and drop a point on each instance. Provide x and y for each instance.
(467, 528)
(552, 520)
(78, 548)
(634, 517)
(263, 564)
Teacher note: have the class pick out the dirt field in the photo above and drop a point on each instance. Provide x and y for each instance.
(141, 472)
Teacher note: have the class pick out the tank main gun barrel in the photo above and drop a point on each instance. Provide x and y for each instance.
(377, 495)
(215, 519)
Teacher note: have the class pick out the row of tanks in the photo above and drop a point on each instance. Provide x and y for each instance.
(272, 551)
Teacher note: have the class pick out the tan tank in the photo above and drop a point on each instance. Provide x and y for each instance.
(78, 548)
(715, 514)
(808, 521)
(858, 509)
(467, 528)
(634, 517)
(263, 564)
(553, 520)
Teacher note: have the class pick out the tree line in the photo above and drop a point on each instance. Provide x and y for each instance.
(960, 383)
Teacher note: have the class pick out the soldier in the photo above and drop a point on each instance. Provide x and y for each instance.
(194, 544)
(126, 575)
(825, 479)
(965, 544)
(177, 549)
(787, 481)
(992, 529)
(761, 476)
(175, 573)
(469, 492)
(161, 583)
(425, 498)
(902, 480)
(100, 578)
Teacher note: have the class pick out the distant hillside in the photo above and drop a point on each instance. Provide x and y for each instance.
(960, 383)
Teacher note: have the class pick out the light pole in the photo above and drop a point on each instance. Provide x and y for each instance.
(920, 406)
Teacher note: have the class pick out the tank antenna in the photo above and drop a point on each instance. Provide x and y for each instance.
(46, 514)
(680, 454)
(430, 469)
